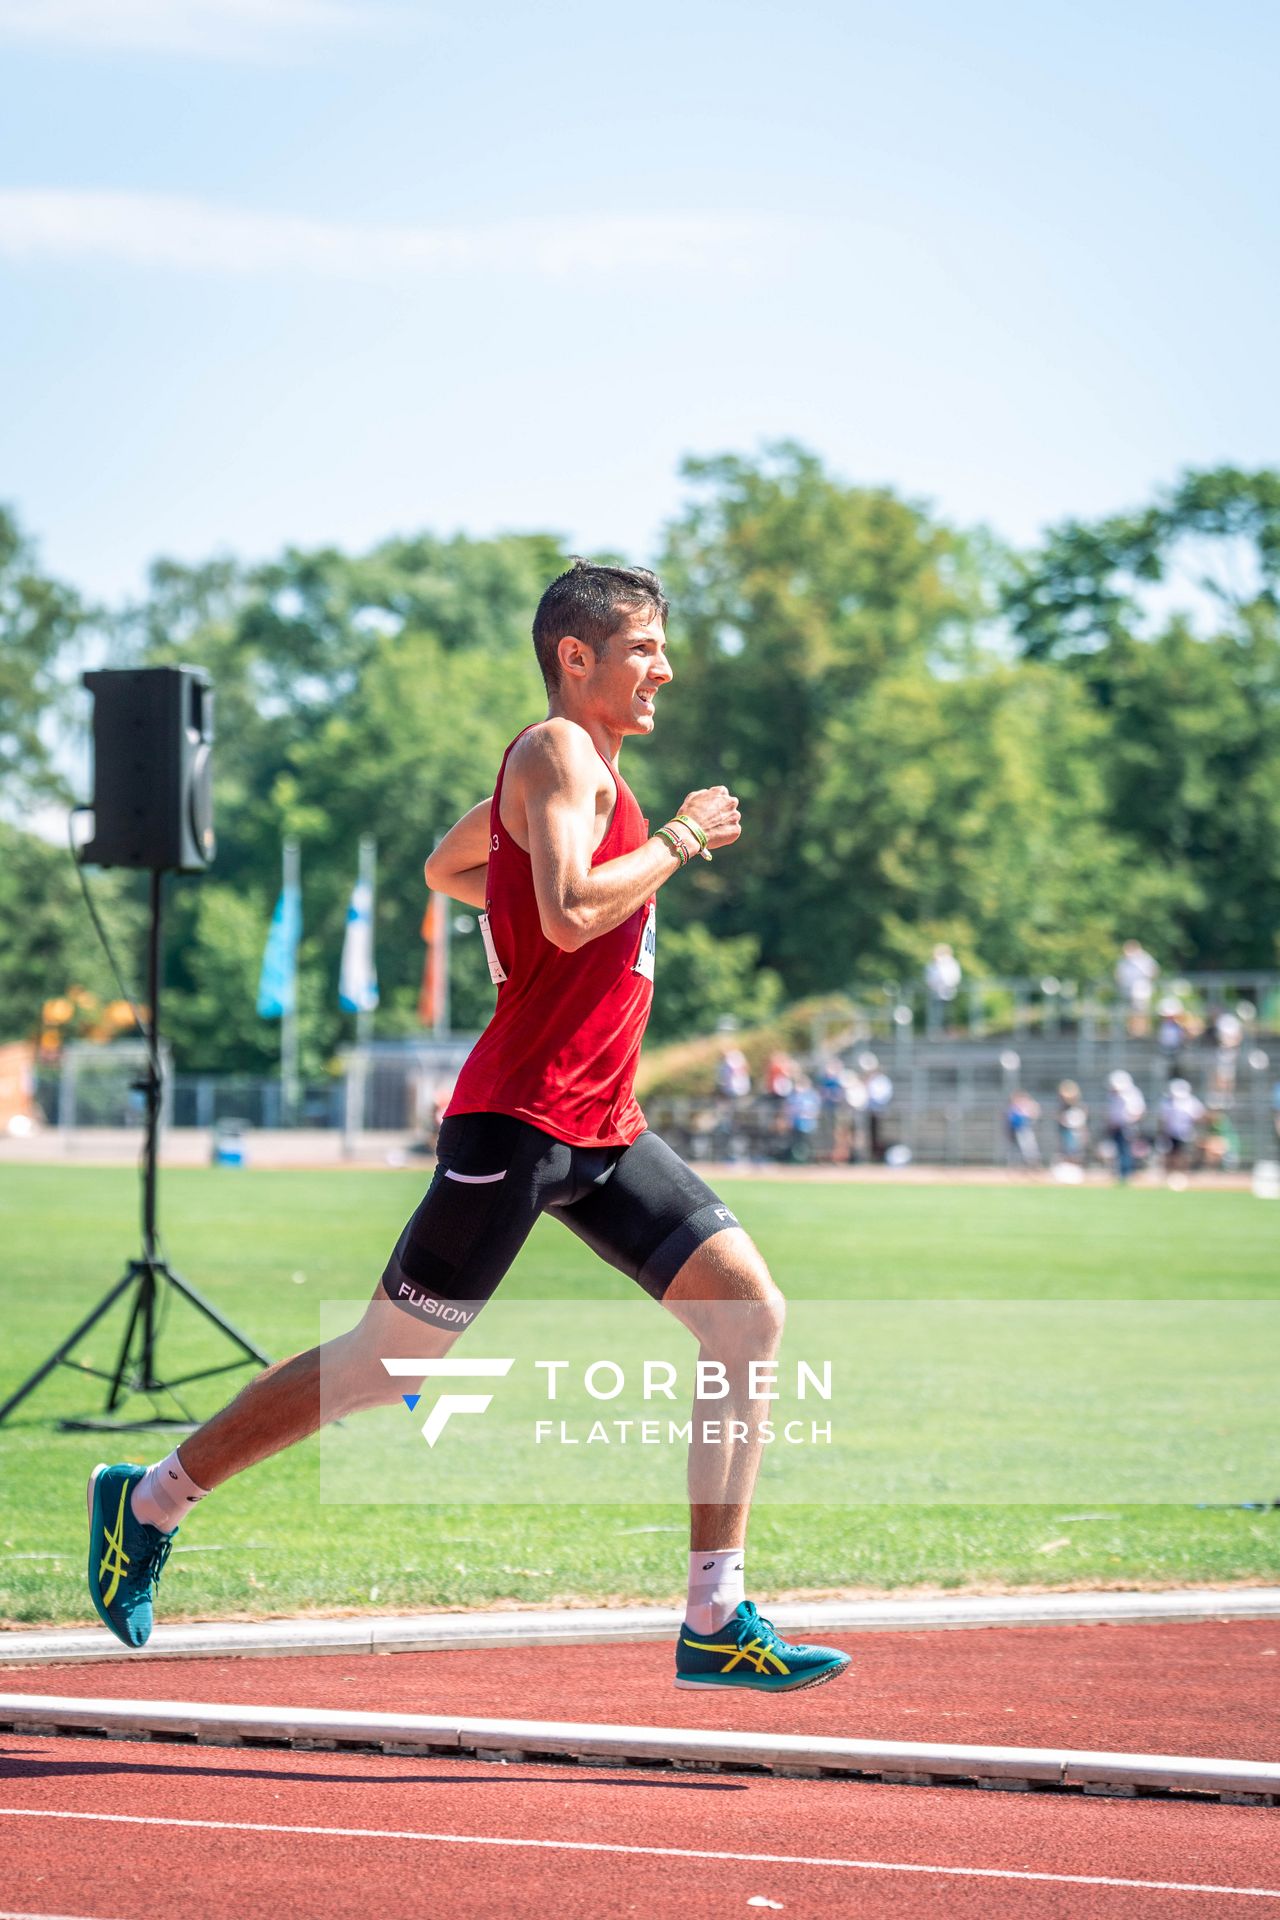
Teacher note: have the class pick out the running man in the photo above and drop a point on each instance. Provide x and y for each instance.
(543, 1119)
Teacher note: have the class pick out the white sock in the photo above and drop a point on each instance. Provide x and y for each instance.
(164, 1493)
(715, 1587)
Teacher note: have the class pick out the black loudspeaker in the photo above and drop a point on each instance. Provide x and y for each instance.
(152, 769)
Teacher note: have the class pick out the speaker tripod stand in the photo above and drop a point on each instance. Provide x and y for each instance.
(145, 1280)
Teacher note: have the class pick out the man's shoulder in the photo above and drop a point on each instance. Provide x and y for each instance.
(557, 752)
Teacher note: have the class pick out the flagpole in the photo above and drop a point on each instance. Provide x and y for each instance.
(368, 876)
(289, 1017)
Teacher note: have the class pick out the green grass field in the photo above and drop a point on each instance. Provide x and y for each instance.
(270, 1247)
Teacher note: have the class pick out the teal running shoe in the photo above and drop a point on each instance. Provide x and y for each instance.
(748, 1651)
(125, 1555)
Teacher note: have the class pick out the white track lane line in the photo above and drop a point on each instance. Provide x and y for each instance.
(8, 1914)
(660, 1853)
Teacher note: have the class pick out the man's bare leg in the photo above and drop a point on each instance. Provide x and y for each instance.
(134, 1511)
(294, 1398)
(725, 1296)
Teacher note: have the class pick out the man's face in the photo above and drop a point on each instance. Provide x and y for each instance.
(624, 684)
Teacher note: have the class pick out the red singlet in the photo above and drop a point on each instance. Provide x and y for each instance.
(562, 1046)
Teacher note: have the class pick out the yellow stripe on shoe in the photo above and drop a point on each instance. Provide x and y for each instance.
(115, 1560)
(126, 1556)
(753, 1652)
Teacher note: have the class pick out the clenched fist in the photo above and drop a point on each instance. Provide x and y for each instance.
(716, 811)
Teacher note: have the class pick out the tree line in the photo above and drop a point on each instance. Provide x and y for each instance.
(1028, 754)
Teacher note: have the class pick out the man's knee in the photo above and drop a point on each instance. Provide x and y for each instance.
(355, 1365)
(725, 1294)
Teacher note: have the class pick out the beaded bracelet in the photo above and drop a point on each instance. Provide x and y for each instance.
(676, 844)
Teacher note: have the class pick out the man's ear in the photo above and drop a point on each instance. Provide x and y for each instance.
(574, 655)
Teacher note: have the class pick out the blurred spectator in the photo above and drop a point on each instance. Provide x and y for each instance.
(1179, 1116)
(1220, 1148)
(733, 1089)
(833, 1093)
(803, 1107)
(1228, 1032)
(855, 1093)
(829, 1081)
(1125, 1109)
(879, 1100)
(942, 980)
(733, 1075)
(1073, 1124)
(779, 1075)
(1020, 1119)
(1136, 972)
(1172, 1031)
(1275, 1111)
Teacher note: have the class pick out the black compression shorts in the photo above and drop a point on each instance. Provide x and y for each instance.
(639, 1207)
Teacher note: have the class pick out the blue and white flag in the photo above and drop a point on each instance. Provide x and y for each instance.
(278, 981)
(358, 980)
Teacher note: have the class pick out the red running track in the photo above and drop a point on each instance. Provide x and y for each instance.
(1210, 1688)
(1037, 1857)
(573, 1840)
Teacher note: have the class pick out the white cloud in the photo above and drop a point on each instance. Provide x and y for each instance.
(169, 231)
(211, 29)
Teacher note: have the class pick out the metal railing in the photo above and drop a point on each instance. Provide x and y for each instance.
(1051, 1006)
(932, 1124)
(951, 1088)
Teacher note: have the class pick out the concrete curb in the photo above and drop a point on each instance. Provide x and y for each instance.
(578, 1626)
(896, 1762)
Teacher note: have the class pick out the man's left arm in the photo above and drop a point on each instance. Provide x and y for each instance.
(459, 867)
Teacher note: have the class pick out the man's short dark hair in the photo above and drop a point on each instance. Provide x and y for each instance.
(591, 603)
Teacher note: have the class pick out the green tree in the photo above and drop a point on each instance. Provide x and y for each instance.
(47, 940)
(39, 621)
(418, 742)
(1214, 536)
(1193, 776)
(973, 811)
(793, 598)
(840, 661)
(1169, 618)
(210, 1019)
(701, 980)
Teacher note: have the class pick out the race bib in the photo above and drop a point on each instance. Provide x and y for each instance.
(648, 943)
(497, 972)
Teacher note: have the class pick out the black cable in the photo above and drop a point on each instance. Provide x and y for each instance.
(154, 1063)
(100, 930)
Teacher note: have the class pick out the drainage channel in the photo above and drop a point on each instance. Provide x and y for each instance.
(892, 1762)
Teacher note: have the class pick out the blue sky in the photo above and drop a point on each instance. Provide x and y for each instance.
(322, 270)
